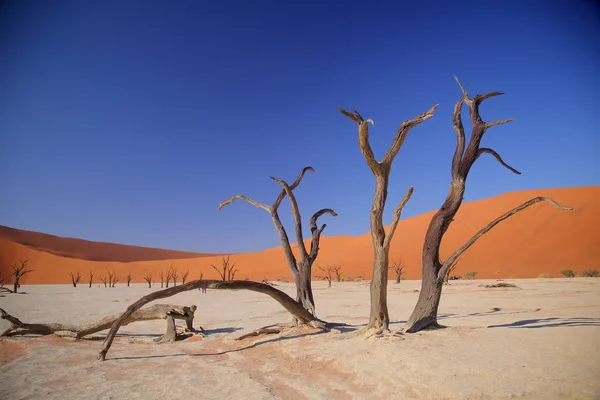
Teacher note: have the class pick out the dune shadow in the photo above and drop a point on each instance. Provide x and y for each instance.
(552, 322)
(220, 353)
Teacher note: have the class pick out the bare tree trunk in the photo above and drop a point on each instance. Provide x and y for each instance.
(425, 312)
(156, 311)
(379, 317)
(301, 268)
(282, 298)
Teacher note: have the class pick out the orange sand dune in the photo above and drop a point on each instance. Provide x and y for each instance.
(86, 250)
(541, 239)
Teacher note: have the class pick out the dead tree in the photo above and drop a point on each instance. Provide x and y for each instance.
(434, 272)
(398, 268)
(301, 268)
(2, 288)
(292, 306)
(128, 278)
(168, 277)
(379, 318)
(103, 279)
(111, 277)
(156, 311)
(115, 279)
(91, 278)
(19, 272)
(174, 275)
(184, 276)
(327, 276)
(75, 278)
(148, 279)
(338, 273)
(226, 271)
(162, 278)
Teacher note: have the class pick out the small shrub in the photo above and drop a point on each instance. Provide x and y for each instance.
(471, 275)
(569, 273)
(545, 275)
(589, 273)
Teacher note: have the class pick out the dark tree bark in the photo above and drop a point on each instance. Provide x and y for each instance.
(18, 273)
(282, 298)
(128, 279)
(156, 311)
(301, 268)
(75, 278)
(91, 278)
(379, 318)
(434, 272)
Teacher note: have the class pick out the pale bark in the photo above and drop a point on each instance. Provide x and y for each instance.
(379, 317)
(157, 311)
(282, 298)
(425, 312)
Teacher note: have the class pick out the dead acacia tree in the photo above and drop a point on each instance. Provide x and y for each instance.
(103, 279)
(379, 317)
(91, 278)
(75, 278)
(115, 279)
(301, 268)
(128, 278)
(398, 268)
(337, 270)
(292, 306)
(184, 276)
(173, 274)
(168, 276)
(18, 273)
(148, 278)
(2, 280)
(434, 272)
(162, 278)
(226, 271)
(157, 311)
(327, 276)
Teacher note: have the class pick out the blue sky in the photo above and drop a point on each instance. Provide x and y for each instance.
(130, 121)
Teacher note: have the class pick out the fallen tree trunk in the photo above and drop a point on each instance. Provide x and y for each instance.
(157, 311)
(295, 308)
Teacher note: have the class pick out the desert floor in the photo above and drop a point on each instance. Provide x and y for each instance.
(541, 341)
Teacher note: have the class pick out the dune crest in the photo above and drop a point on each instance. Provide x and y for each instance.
(538, 240)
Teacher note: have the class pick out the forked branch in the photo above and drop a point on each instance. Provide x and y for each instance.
(316, 231)
(297, 217)
(446, 266)
(390, 235)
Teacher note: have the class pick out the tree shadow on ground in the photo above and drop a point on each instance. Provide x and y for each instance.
(494, 310)
(552, 322)
(220, 353)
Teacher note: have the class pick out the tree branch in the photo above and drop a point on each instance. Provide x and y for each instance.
(297, 217)
(403, 132)
(460, 133)
(446, 266)
(390, 235)
(292, 186)
(282, 298)
(247, 199)
(497, 156)
(363, 138)
(316, 232)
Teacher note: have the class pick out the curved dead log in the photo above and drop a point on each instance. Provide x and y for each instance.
(295, 308)
(157, 311)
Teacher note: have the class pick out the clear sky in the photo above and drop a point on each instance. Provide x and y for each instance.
(129, 121)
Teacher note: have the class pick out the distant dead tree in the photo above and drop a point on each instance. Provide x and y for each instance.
(327, 276)
(201, 274)
(184, 276)
(379, 318)
(226, 271)
(75, 278)
(425, 312)
(2, 280)
(338, 272)
(162, 278)
(91, 278)
(148, 279)
(398, 268)
(301, 268)
(174, 275)
(128, 278)
(112, 278)
(19, 272)
(103, 279)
